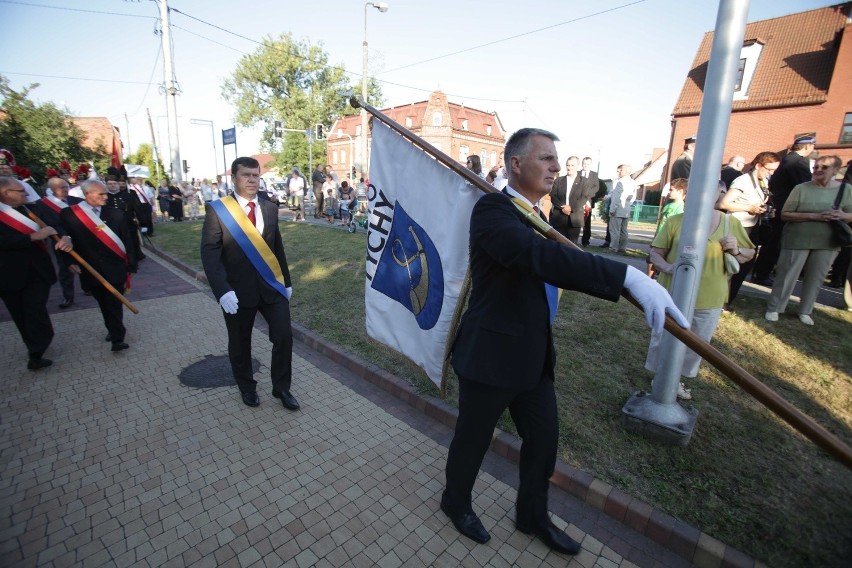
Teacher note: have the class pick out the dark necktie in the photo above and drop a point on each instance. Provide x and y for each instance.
(251, 216)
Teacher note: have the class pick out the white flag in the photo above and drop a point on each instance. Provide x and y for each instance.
(417, 251)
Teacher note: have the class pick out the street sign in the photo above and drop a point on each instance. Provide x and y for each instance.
(229, 136)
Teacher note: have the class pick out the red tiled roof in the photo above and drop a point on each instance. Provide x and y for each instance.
(477, 120)
(795, 65)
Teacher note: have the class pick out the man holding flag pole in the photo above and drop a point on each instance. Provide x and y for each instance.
(503, 353)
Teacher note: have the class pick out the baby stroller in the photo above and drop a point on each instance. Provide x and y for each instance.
(359, 216)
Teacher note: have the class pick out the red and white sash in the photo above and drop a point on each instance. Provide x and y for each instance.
(10, 217)
(97, 227)
(142, 197)
(54, 203)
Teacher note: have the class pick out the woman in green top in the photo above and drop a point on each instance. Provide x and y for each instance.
(808, 240)
(712, 288)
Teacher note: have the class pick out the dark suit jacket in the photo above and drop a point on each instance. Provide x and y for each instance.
(682, 167)
(504, 339)
(580, 192)
(793, 170)
(228, 268)
(51, 217)
(93, 251)
(22, 259)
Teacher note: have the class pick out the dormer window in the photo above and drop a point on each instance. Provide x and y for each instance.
(408, 122)
(749, 56)
(464, 124)
(437, 119)
(488, 130)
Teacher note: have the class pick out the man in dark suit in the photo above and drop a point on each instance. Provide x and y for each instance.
(102, 238)
(244, 260)
(48, 208)
(568, 197)
(503, 353)
(26, 272)
(682, 166)
(598, 190)
(795, 168)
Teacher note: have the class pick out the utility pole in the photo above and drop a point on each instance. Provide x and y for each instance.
(154, 150)
(171, 90)
(127, 125)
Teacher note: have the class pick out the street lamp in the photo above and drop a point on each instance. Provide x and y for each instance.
(381, 7)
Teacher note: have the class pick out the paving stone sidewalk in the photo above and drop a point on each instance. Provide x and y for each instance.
(108, 460)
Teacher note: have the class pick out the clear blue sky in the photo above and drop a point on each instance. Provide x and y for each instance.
(604, 76)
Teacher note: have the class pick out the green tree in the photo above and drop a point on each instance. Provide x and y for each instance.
(291, 81)
(40, 135)
(144, 156)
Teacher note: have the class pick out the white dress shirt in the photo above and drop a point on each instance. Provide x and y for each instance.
(258, 216)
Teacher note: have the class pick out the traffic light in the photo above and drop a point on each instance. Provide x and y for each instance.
(185, 167)
(319, 132)
(279, 129)
(353, 173)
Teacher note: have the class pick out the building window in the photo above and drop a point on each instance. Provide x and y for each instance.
(488, 129)
(464, 124)
(437, 119)
(483, 157)
(343, 156)
(340, 132)
(846, 133)
(408, 122)
(493, 157)
(740, 71)
(334, 157)
(749, 58)
(358, 130)
(463, 153)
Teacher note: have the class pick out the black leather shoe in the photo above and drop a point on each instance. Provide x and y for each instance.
(288, 400)
(553, 538)
(468, 524)
(65, 303)
(119, 346)
(36, 363)
(250, 398)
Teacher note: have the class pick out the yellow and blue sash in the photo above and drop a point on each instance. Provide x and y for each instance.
(250, 241)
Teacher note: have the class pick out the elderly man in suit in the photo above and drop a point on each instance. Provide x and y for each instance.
(48, 209)
(244, 260)
(568, 198)
(103, 238)
(26, 272)
(503, 353)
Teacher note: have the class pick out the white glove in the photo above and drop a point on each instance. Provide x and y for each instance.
(289, 292)
(654, 299)
(229, 302)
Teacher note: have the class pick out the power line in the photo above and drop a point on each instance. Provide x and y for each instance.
(74, 78)
(76, 9)
(496, 41)
(343, 69)
(150, 79)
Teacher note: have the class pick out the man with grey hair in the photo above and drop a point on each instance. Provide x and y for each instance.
(103, 239)
(503, 353)
(27, 273)
(620, 201)
(48, 209)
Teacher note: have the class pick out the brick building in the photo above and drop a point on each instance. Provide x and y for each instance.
(454, 129)
(795, 76)
(99, 134)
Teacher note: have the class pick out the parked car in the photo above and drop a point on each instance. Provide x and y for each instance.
(279, 188)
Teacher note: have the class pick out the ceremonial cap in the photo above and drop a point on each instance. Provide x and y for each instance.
(689, 139)
(6, 158)
(806, 138)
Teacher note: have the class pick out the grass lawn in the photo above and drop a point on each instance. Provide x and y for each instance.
(746, 477)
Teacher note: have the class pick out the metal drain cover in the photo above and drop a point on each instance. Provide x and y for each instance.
(212, 372)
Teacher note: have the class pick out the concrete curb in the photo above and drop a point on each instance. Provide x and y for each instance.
(684, 540)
